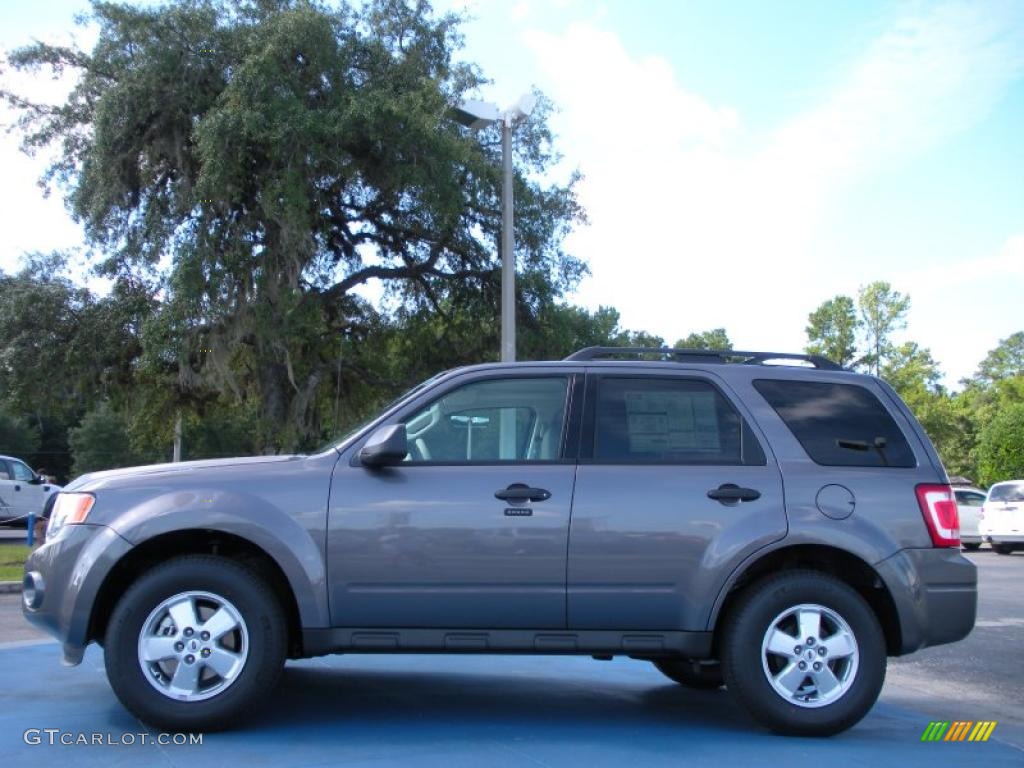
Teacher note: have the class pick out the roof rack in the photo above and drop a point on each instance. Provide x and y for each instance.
(706, 356)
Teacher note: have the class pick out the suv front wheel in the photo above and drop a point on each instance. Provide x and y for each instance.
(194, 642)
(804, 654)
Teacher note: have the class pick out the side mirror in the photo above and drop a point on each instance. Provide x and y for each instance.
(387, 446)
(37, 480)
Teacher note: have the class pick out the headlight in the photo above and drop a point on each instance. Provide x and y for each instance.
(70, 508)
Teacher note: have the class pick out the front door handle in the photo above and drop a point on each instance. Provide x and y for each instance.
(729, 493)
(522, 492)
(17, 487)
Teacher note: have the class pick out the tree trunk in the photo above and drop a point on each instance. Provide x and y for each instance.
(273, 392)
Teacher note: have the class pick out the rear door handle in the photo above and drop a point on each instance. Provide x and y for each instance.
(522, 492)
(729, 492)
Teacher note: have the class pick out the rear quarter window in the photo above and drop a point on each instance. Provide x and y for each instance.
(838, 425)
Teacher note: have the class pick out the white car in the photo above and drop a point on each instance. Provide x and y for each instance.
(969, 502)
(21, 490)
(1002, 517)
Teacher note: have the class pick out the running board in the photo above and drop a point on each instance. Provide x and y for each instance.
(319, 642)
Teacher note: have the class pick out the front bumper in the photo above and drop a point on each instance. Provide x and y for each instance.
(935, 592)
(63, 578)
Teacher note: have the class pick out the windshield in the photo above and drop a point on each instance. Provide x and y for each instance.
(334, 442)
(1007, 492)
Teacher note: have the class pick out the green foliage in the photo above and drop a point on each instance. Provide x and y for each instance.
(1005, 361)
(101, 441)
(17, 437)
(716, 338)
(64, 349)
(834, 326)
(1001, 446)
(882, 311)
(911, 370)
(832, 330)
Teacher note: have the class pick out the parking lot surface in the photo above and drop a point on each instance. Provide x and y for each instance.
(534, 711)
(458, 711)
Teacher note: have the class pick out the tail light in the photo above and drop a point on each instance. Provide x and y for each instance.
(938, 506)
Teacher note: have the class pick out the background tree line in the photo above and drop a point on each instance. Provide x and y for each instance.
(242, 169)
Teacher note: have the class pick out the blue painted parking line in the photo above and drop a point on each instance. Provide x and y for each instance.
(450, 711)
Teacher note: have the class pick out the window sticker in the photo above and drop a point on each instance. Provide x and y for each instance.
(672, 422)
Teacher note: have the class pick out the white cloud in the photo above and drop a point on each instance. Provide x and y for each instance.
(28, 221)
(697, 222)
(520, 11)
(1007, 264)
(955, 307)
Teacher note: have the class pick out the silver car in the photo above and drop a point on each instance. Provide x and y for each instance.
(777, 529)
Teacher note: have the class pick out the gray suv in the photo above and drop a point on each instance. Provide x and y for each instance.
(777, 529)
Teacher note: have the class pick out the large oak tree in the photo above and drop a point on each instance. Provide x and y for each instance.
(259, 161)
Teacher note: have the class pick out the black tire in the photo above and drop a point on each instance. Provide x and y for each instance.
(259, 608)
(693, 673)
(746, 627)
(1003, 549)
(972, 547)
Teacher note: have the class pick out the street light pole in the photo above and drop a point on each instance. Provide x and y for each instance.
(476, 115)
(508, 260)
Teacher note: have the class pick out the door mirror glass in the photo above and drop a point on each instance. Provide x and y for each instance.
(387, 446)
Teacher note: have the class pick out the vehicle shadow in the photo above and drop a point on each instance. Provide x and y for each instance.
(442, 702)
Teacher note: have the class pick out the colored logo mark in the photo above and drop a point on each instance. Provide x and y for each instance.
(958, 730)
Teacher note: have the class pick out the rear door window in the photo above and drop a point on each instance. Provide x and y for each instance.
(839, 425)
(661, 420)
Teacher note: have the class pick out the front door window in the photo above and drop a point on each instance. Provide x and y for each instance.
(498, 420)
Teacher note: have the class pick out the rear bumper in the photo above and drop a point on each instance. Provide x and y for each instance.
(935, 592)
(1009, 538)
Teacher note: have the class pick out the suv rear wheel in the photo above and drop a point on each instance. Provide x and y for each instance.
(194, 642)
(804, 654)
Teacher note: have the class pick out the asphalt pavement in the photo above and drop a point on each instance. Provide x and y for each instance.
(532, 711)
(981, 677)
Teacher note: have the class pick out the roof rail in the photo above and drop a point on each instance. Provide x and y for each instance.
(706, 356)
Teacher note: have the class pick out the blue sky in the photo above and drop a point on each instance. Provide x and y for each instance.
(745, 161)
